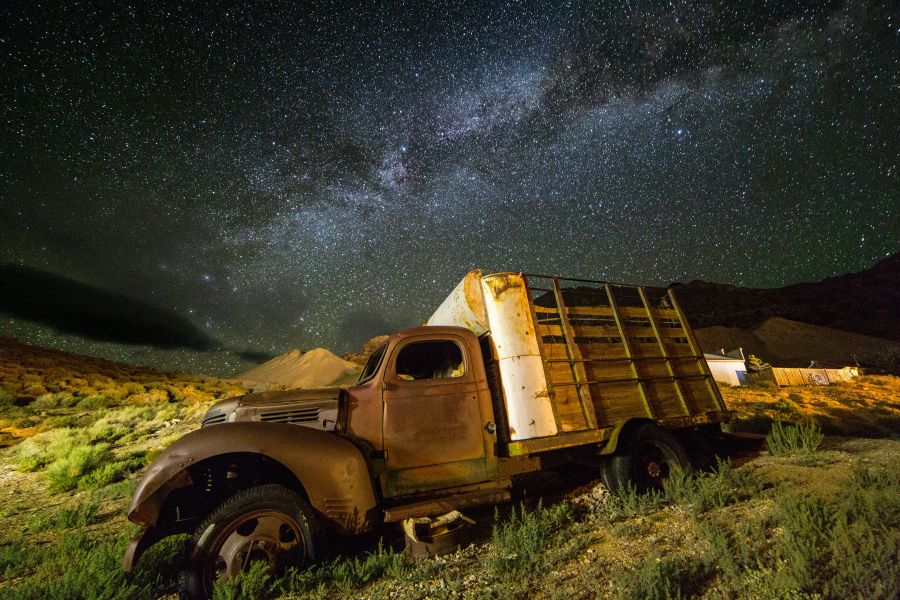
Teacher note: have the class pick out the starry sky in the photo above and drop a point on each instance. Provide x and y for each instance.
(300, 174)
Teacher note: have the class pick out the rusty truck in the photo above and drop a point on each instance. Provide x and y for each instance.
(513, 373)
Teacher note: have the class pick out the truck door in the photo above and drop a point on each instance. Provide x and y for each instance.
(434, 416)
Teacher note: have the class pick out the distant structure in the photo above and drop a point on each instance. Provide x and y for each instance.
(728, 367)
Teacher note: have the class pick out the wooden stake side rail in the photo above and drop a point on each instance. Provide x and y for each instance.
(607, 362)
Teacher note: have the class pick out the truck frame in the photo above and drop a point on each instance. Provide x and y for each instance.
(514, 373)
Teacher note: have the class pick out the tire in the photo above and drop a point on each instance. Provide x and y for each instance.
(266, 523)
(647, 460)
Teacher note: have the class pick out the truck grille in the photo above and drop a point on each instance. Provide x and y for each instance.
(297, 415)
(213, 420)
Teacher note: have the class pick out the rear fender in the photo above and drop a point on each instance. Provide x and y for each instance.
(331, 470)
(620, 436)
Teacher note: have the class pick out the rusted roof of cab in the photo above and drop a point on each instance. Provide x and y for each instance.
(431, 330)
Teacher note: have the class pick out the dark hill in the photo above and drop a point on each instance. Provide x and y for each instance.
(867, 302)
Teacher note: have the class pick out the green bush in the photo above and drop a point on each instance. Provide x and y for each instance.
(785, 438)
(65, 473)
(108, 473)
(42, 449)
(843, 547)
(719, 488)
(628, 502)
(75, 567)
(93, 402)
(254, 584)
(54, 400)
(7, 398)
(658, 578)
(66, 518)
(519, 542)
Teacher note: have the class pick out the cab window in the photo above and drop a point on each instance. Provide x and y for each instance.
(439, 359)
(371, 367)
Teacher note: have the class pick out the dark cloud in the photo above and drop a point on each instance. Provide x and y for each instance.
(255, 356)
(98, 314)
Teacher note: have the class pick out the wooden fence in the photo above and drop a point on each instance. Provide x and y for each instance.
(789, 376)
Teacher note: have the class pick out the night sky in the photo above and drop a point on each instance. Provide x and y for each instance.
(257, 178)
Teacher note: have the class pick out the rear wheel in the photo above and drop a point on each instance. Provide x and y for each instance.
(647, 462)
(269, 524)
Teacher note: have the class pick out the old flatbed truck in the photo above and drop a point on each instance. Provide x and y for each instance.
(512, 374)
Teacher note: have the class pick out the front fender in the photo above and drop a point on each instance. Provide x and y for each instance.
(331, 469)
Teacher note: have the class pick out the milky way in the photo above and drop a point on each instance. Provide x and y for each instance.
(307, 174)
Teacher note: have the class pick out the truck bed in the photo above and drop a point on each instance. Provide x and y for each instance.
(614, 352)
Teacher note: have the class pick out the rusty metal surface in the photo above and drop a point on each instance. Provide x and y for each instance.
(332, 470)
(315, 408)
(465, 497)
(434, 430)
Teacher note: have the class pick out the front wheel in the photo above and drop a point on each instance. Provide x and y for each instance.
(268, 523)
(650, 458)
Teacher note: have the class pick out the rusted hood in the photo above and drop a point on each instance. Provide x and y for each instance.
(310, 407)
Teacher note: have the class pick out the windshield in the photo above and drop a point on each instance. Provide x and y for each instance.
(372, 364)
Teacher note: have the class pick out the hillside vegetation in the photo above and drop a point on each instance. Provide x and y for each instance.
(800, 521)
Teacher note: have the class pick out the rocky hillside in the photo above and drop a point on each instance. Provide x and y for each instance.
(865, 302)
(787, 343)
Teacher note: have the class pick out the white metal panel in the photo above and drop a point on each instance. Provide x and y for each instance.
(464, 307)
(528, 405)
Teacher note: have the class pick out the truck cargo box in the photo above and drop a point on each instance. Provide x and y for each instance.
(580, 356)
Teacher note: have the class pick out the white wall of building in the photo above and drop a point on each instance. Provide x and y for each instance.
(730, 371)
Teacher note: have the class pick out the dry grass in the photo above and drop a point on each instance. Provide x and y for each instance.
(867, 406)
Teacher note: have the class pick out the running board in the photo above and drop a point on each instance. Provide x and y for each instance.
(491, 495)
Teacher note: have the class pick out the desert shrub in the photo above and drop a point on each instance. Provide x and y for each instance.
(254, 584)
(117, 490)
(130, 388)
(628, 502)
(42, 449)
(162, 563)
(843, 547)
(110, 472)
(719, 488)
(66, 518)
(54, 400)
(345, 574)
(518, 543)
(151, 397)
(785, 438)
(7, 398)
(75, 567)
(349, 574)
(658, 578)
(93, 402)
(65, 473)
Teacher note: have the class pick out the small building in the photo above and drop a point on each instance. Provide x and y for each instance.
(728, 367)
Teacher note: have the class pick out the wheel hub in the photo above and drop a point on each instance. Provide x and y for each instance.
(273, 538)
